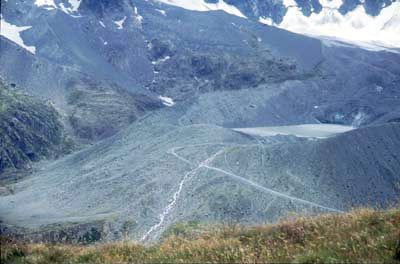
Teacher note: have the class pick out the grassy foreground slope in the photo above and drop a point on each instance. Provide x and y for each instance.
(359, 236)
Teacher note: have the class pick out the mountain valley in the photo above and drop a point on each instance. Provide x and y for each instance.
(152, 113)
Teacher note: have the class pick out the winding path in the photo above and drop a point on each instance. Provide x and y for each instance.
(206, 164)
(176, 195)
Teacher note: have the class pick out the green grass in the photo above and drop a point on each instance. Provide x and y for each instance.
(361, 236)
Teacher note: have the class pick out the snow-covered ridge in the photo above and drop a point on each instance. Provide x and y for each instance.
(200, 5)
(13, 33)
(356, 26)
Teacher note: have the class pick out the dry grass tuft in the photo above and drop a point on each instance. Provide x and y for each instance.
(359, 236)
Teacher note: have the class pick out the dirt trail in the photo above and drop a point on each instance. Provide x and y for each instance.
(206, 164)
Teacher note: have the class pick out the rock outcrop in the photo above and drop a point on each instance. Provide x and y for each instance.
(30, 130)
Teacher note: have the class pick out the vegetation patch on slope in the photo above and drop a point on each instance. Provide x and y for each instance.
(98, 110)
(360, 236)
(29, 131)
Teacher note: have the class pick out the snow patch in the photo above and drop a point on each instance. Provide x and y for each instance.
(138, 17)
(378, 88)
(73, 6)
(334, 4)
(13, 33)
(120, 23)
(160, 60)
(46, 4)
(331, 41)
(289, 3)
(359, 119)
(167, 101)
(161, 12)
(266, 20)
(200, 5)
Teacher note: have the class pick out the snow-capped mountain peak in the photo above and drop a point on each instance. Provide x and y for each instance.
(361, 22)
(356, 26)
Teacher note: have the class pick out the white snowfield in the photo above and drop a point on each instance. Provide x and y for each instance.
(200, 5)
(306, 131)
(75, 4)
(48, 4)
(167, 101)
(356, 27)
(13, 33)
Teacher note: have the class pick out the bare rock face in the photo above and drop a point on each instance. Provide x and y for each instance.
(29, 131)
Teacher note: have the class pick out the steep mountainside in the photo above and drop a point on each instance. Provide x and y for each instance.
(29, 131)
(155, 174)
(372, 21)
(96, 111)
(155, 50)
(161, 91)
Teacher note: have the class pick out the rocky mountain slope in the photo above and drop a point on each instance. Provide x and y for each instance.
(96, 111)
(29, 131)
(160, 91)
(167, 58)
(371, 23)
(155, 174)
